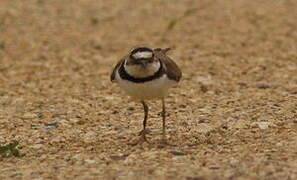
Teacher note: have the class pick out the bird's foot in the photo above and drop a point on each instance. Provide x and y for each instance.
(144, 132)
(142, 138)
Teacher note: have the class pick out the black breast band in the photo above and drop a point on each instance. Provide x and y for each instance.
(124, 75)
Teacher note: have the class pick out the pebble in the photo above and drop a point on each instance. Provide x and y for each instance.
(262, 125)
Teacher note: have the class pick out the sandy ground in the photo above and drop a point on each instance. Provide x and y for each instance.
(233, 116)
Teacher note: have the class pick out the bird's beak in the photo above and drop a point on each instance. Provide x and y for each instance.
(143, 63)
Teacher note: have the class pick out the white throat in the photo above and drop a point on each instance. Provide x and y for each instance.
(144, 54)
(140, 72)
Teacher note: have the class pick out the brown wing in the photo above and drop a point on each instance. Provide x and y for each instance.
(172, 70)
(113, 74)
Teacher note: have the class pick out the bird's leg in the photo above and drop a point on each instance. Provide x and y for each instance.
(164, 139)
(164, 121)
(143, 132)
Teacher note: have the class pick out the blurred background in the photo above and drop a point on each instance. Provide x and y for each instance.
(238, 93)
(83, 39)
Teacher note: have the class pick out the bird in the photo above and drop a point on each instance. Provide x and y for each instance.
(145, 74)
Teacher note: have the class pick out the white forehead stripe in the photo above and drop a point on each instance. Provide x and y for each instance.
(145, 54)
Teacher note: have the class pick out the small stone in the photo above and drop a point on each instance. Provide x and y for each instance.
(262, 125)
(81, 122)
(37, 146)
(50, 126)
(130, 108)
(177, 153)
(90, 161)
(118, 157)
(119, 128)
(29, 115)
(263, 86)
(203, 88)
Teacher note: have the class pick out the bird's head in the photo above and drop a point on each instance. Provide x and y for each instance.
(141, 62)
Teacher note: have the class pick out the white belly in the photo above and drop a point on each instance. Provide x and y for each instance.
(149, 90)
